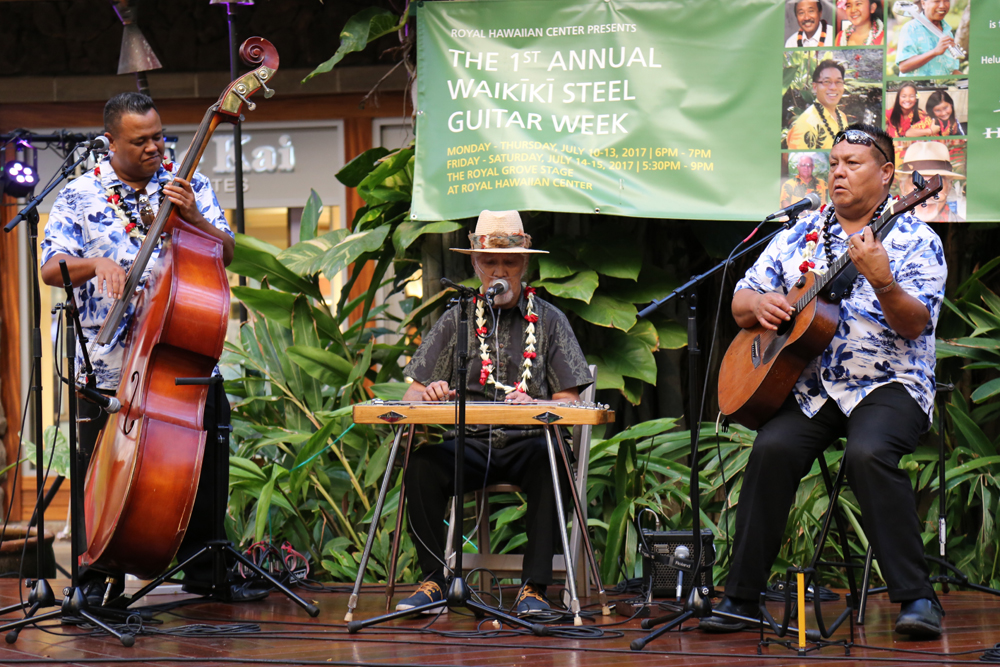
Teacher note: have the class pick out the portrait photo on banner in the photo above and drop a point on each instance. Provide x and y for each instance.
(809, 23)
(803, 173)
(927, 108)
(860, 23)
(928, 38)
(824, 91)
(945, 157)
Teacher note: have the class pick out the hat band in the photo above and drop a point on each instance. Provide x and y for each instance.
(918, 165)
(499, 240)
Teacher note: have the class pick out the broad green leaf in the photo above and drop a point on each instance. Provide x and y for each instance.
(259, 260)
(276, 306)
(352, 248)
(408, 232)
(616, 538)
(264, 502)
(375, 469)
(246, 467)
(389, 391)
(987, 390)
(310, 217)
(605, 311)
(633, 390)
(646, 332)
(615, 257)
(559, 264)
(304, 335)
(654, 283)
(325, 366)
(672, 335)
(580, 286)
(974, 435)
(629, 356)
(366, 26)
(304, 257)
(355, 171)
(643, 430)
(379, 186)
(606, 377)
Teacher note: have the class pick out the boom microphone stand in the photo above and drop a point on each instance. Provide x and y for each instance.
(41, 592)
(459, 594)
(697, 604)
(74, 603)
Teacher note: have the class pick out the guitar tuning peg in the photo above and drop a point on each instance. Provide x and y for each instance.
(261, 76)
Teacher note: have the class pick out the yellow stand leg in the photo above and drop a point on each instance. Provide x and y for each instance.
(800, 590)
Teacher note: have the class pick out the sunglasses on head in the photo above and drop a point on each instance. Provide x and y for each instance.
(859, 137)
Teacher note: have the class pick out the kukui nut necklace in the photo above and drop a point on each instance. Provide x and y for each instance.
(822, 117)
(134, 227)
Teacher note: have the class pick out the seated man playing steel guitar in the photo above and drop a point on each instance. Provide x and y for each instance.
(873, 384)
(527, 352)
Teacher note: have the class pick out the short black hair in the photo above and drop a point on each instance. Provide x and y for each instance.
(827, 64)
(883, 140)
(124, 103)
(819, 4)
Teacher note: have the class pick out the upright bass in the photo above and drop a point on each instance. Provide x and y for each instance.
(143, 477)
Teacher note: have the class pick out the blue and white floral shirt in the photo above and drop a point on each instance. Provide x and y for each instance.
(83, 223)
(865, 352)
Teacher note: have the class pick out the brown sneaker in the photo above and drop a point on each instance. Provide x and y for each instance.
(530, 601)
(428, 592)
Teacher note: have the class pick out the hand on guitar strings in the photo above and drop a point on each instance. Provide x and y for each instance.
(438, 391)
(517, 396)
(870, 257)
(772, 309)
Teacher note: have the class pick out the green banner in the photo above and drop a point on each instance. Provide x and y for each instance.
(698, 109)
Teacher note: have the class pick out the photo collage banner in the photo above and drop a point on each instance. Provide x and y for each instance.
(699, 109)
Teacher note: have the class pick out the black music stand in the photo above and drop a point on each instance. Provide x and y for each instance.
(219, 547)
(459, 595)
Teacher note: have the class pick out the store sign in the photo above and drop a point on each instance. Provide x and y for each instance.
(282, 162)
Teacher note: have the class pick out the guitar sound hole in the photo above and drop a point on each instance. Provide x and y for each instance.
(781, 337)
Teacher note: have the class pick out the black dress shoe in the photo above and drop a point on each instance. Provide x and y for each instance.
(920, 619)
(729, 605)
(241, 591)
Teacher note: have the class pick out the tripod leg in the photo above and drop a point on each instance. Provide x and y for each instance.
(352, 602)
(639, 644)
(311, 609)
(581, 521)
(390, 580)
(570, 574)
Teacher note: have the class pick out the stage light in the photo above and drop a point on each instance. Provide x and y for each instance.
(19, 179)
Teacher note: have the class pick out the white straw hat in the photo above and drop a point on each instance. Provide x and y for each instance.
(499, 231)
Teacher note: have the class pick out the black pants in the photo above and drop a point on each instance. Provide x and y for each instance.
(884, 427)
(205, 518)
(430, 479)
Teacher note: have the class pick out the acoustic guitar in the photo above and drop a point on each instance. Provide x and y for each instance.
(761, 365)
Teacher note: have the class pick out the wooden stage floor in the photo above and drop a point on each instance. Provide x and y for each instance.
(276, 632)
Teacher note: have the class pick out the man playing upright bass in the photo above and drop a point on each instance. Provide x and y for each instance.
(874, 383)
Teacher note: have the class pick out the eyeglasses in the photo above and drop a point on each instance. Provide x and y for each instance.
(831, 82)
(859, 137)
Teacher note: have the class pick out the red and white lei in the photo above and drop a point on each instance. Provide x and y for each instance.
(486, 374)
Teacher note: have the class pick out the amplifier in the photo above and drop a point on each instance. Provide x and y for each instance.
(664, 577)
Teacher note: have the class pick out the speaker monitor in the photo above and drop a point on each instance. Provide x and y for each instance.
(664, 543)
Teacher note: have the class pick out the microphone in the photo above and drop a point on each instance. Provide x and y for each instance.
(109, 404)
(810, 203)
(681, 552)
(499, 286)
(98, 144)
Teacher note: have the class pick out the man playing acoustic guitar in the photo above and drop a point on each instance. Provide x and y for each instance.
(874, 383)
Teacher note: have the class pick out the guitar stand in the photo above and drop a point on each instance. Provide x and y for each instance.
(459, 594)
(219, 548)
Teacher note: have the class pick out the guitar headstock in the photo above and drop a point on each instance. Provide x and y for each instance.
(924, 190)
(261, 55)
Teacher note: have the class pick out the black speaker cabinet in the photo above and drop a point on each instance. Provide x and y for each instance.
(663, 543)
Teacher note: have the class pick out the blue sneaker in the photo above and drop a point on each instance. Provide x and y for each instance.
(530, 601)
(429, 591)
